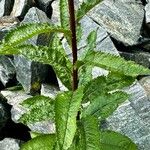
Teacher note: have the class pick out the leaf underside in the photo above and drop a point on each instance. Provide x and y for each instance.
(40, 108)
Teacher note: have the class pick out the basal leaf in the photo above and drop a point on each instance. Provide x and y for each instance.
(66, 109)
(111, 140)
(115, 64)
(44, 142)
(40, 108)
(104, 104)
(24, 32)
(89, 134)
(64, 13)
(85, 7)
(55, 57)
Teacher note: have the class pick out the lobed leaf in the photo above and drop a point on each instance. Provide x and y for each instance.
(105, 84)
(44, 142)
(85, 7)
(40, 108)
(104, 104)
(66, 109)
(115, 64)
(111, 140)
(24, 32)
(89, 134)
(54, 57)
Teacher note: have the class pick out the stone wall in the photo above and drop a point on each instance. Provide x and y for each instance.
(123, 28)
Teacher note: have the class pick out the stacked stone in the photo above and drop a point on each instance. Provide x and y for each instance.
(123, 28)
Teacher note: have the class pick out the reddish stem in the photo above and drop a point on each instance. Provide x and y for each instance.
(73, 43)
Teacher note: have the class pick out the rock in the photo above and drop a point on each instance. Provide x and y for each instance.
(45, 5)
(147, 12)
(20, 8)
(5, 7)
(14, 98)
(145, 82)
(142, 58)
(132, 118)
(49, 90)
(29, 73)
(123, 21)
(9, 144)
(4, 112)
(7, 71)
(6, 24)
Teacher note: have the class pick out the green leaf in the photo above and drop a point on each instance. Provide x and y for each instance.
(85, 7)
(105, 84)
(54, 57)
(44, 142)
(104, 104)
(35, 134)
(85, 72)
(66, 109)
(24, 32)
(64, 13)
(115, 64)
(89, 134)
(40, 108)
(111, 140)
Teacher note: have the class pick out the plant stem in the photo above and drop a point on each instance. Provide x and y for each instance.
(73, 43)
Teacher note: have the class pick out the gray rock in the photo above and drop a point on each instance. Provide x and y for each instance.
(142, 58)
(132, 118)
(147, 12)
(6, 24)
(7, 70)
(103, 42)
(14, 98)
(145, 82)
(9, 144)
(21, 7)
(45, 5)
(5, 7)
(4, 111)
(49, 90)
(29, 73)
(122, 20)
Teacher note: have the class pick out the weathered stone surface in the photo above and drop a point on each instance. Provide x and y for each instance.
(49, 90)
(29, 73)
(14, 98)
(132, 118)
(4, 111)
(6, 24)
(103, 42)
(45, 5)
(145, 82)
(147, 12)
(9, 144)
(21, 7)
(5, 7)
(122, 20)
(142, 58)
(7, 71)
